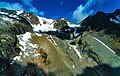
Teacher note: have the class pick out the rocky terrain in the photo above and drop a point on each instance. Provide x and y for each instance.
(36, 46)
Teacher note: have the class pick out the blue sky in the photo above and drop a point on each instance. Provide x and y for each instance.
(74, 10)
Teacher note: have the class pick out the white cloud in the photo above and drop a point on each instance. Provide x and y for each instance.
(12, 6)
(31, 8)
(83, 11)
(27, 7)
(80, 13)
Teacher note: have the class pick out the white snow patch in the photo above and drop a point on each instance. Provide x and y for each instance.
(118, 17)
(91, 46)
(28, 48)
(43, 28)
(19, 12)
(75, 32)
(104, 44)
(44, 25)
(49, 39)
(26, 36)
(7, 19)
(20, 53)
(73, 25)
(52, 40)
(38, 34)
(13, 16)
(12, 62)
(115, 21)
(23, 39)
(70, 48)
(26, 53)
(24, 56)
(18, 58)
(36, 55)
(62, 19)
(77, 52)
(3, 13)
(10, 15)
(70, 24)
(73, 66)
(42, 19)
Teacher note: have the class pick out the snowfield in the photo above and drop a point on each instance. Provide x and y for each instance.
(19, 12)
(44, 25)
(27, 48)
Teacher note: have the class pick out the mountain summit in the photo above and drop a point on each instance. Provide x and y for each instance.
(109, 22)
(31, 45)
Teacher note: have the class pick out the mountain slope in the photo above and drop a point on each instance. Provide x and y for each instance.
(36, 46)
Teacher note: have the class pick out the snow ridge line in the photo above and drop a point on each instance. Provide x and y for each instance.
(77, 52)
(104, 44)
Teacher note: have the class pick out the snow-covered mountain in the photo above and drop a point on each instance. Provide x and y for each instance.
(43, 25)
(31, 45)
